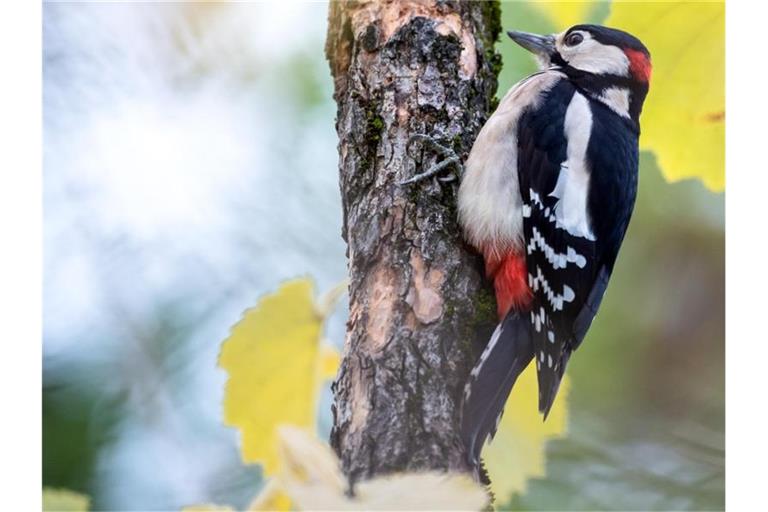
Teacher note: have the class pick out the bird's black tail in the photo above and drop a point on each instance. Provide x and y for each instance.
(507, 354)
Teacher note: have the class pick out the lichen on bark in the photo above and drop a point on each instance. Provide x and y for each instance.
(418, 298)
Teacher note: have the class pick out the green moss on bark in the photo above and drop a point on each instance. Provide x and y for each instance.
(492, 19)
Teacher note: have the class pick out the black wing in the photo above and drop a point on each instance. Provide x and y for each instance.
(568, 274)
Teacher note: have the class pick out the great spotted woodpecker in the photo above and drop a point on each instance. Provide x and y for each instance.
(546, 197)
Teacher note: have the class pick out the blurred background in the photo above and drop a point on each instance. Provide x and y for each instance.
(190, 166)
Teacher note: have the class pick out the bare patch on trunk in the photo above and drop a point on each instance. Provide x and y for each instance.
(381, 306)
(424, 295)
(359, 400)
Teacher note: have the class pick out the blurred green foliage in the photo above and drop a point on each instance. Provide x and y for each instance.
(69, 452)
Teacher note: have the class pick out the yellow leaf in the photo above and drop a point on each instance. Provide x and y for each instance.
(207, 508)
(683, 119)
(311, 475)
(60, 500)
(273, 360)
(304, 458)
(329, 361)
(421, 491)
(310, 472)
(271, 498)
(517, 452)
(566, 14)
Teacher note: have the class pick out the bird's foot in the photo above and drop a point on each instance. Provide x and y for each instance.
(450, 161)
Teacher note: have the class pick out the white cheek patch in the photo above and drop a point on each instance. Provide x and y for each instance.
(572, 188)
(594, 57)
(617, 98)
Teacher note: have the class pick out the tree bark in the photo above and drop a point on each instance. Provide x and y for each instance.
(419, 302)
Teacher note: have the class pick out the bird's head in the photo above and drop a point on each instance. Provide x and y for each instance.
(596, 57)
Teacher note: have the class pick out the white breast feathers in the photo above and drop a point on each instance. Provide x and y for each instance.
(490, 205)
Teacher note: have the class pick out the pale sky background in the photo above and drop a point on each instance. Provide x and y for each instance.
(184, 170)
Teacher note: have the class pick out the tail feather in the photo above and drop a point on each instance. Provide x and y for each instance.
(507, 354)
(549, 384)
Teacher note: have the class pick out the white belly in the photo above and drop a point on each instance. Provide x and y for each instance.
(490, 205)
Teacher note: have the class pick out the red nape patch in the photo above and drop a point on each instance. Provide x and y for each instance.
(639, 64)
(510, 281)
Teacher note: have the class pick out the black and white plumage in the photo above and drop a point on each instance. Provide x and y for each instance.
(546, 196)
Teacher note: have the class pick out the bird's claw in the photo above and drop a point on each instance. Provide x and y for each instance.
(450, 160)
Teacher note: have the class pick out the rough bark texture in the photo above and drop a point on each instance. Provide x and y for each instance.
(418, 298)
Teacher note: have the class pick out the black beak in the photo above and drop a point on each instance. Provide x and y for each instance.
(534, 43)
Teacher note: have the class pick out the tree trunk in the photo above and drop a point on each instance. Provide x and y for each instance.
(419, 302)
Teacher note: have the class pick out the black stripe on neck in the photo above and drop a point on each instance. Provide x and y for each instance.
(594, 85)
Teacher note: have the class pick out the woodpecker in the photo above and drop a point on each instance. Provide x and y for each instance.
(546, 196)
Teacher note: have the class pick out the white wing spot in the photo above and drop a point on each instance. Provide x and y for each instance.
(536, 198)
(574, 257)
(549, 361)
(556, 259)
(551, 336)
(526, 210)
(556, 300)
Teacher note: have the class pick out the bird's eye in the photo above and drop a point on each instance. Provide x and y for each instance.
(574, 39)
